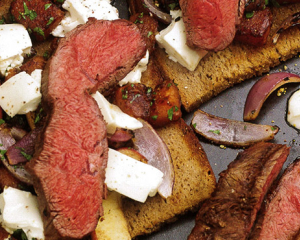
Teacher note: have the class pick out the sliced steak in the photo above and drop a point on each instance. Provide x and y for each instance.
(281, 215)
(70, 159)
(210, 24)
(232, 209)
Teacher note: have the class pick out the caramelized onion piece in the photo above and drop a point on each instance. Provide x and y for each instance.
(262, 89)
(290, 21)
(148, 143)
(231, 132)
(157, 13)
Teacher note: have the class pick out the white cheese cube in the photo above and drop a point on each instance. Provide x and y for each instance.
(135, 75)
(113, 115)
(14, 43)
(19, 210)
(130, 177)
(79, 11)
(173, 40)
(21, 93)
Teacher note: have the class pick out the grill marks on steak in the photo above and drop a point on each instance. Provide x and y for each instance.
(232, 209)
(281, 219)
(210, 24)
(70, 160)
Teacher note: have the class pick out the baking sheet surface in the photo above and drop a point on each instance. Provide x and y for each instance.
(230, 104)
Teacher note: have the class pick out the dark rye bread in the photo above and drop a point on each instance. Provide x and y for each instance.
(238, 62)
(194, 182)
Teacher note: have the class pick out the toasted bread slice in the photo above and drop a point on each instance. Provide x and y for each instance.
(219, 71)
(194, 182)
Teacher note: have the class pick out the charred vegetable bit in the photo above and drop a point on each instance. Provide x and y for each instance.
(134, 99)
(157, 13)
(40, 17)
(262, 89)
(231, 132)
(291, 21)
(166, 105)
(255, 30)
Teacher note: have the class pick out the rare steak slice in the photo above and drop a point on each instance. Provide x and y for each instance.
(281, 215)
(71, 155)
(210, 24)
(232, 209)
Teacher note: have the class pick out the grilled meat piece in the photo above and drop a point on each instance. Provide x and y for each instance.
(232, 209)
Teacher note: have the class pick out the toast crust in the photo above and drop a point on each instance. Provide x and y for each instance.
(194, 182)
(219, 71)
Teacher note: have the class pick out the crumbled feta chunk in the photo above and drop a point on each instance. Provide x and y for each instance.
(21, 93)
(19, 210)
(14, 43)
(173, 40)
(80, 11)
(130, 177)
(113, 115)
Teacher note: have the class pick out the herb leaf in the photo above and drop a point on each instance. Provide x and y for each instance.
(218, 132)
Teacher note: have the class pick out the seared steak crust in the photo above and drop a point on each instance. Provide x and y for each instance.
(71, 156)
(232, 209)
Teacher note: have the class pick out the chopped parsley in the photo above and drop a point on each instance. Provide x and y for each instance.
(125, 95)
(149, 34)
(47, 5)
(50, 21)
(2, 152)
(1, 121)
(24, 154)
(249, 14)
(154, 117)
(170, 114)
(38, 116)
(31, 13)
(39, 31)
(218, 132)
(194, 125)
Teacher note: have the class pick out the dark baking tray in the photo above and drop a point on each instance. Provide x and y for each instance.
(230, 104)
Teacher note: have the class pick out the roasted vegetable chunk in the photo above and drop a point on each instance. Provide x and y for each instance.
(134, 99)
(148, 27)
(166, 105)
(255, 30)
(39, 16)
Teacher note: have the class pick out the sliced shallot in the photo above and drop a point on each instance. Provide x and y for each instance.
(148, 143)
(231, 132)
(262, 89)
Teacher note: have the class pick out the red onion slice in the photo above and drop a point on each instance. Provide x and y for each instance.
(262, 89)
(148, 143)
(231, 132)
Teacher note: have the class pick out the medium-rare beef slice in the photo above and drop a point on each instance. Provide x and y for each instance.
(281, 215)
(232, 209)
(70, 160)
(210, 24)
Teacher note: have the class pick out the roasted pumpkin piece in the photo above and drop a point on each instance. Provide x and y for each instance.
(166, 105)
(39, 17)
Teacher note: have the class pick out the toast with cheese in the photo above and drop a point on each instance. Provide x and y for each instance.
(221, 70)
